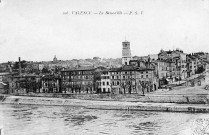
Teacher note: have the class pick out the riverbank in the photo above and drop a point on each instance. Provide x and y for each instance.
(198, 98)
(107, 105)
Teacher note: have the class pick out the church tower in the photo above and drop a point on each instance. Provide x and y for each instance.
(126, 53)
(55, 59)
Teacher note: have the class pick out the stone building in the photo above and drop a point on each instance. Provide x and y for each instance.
(192, 62)
(105, 81)
(79, 80)
(127, 79)
(50, 84)
(166, 71)
(179, 58)
(23, 83)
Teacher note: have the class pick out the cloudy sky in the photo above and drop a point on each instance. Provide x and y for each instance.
(39, 29)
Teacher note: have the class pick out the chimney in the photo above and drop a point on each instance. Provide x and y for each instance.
(20, 69)
(10, 69)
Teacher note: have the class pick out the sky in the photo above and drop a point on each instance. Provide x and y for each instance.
(36, 30)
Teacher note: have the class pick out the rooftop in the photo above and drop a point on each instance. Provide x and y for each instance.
(130, 68)
(81, 68)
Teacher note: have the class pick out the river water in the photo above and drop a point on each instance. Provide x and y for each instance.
(66, 120)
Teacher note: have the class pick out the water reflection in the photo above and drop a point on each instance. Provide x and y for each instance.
(63, 120)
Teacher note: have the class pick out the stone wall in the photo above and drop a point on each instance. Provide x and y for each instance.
(182, 99)
(105, 105)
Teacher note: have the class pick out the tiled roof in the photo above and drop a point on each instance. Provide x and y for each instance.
(115, 69)
(166, 60)
(191, 57)
(81, 68)
(177, 57)
(169, 52)
(129, 68)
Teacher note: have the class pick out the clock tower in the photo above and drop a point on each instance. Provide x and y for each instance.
(126, 53)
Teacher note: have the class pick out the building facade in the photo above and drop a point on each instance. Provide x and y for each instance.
(50, 84)
(128, 79)
(105, 82)
(79, 80)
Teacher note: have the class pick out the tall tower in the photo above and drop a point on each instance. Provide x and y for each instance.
(20, 68)
(55, 58)
(126, 53)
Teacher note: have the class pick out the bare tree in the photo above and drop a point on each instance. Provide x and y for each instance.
(143, 85)
(89, 86)
(123, 86)
(126, 84)
(64, 86)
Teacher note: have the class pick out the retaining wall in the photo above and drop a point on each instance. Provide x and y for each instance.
(184, 99)
(107, 105)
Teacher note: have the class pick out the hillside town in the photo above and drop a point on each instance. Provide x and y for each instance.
(126, 75)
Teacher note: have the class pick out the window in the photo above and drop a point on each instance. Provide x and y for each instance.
(118, 83)
(107, 83)
(146, 76)
(124, 77)
(103, 83)
(141, 72)
(141, 76)
(104, 89)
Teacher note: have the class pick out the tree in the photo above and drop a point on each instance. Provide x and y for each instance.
(200, 70)
(89, 87)
(64, 86)
(29, 85)
(45, 70)
(124, 85)
(23, 65)
(96, 79)
(131, 84)
(143, 85)
(50, 86)
(38, 85)
(22, 84)
(96, 86)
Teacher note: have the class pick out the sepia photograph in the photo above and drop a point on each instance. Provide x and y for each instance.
(104, 67)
